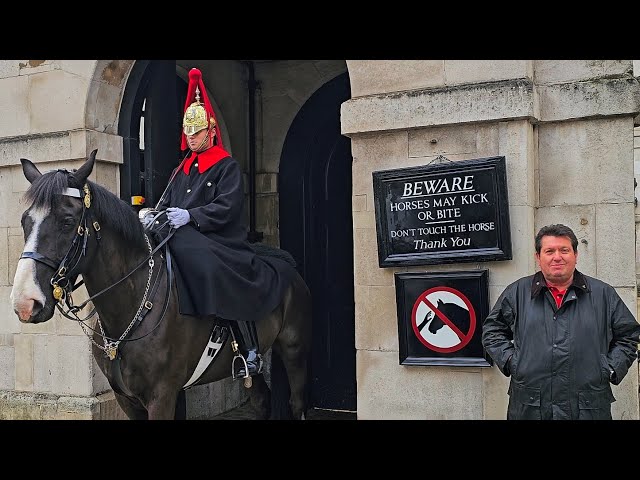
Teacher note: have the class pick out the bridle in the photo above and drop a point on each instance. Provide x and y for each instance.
(61, 281)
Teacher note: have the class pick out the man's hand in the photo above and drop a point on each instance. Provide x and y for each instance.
(177, 217)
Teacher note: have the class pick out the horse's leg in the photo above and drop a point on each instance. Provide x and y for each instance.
(294, 358)
(260, 397)
(132, 408)
(163, 406)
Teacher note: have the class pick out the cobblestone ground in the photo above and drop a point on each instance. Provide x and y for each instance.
(245, 412)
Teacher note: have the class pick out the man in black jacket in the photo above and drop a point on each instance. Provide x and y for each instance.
(562, 336)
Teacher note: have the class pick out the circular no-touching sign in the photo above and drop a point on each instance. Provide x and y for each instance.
(443, 319)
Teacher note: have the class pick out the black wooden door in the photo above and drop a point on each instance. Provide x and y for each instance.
(316, 227)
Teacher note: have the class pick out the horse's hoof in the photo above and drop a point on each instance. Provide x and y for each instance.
(248, 382)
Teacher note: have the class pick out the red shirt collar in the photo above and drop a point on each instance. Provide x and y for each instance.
(206, 159)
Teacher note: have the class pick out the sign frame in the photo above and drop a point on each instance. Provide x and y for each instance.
(501, 248)
(414, 350)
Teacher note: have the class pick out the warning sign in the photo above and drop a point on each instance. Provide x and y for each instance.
(443, 319)
(440, 316)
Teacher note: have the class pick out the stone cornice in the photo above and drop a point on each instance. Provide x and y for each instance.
(60, 146)
(491, 102)
(481, 102)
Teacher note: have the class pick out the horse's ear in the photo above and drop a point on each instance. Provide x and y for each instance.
(31, 172)
(84, 171)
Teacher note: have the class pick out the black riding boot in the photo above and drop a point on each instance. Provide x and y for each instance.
(247, 337)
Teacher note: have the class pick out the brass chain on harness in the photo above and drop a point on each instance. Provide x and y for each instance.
(110, 348)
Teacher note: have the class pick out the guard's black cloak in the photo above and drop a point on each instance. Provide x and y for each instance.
(217, 270)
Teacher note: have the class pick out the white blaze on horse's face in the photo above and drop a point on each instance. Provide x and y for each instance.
(26, 292)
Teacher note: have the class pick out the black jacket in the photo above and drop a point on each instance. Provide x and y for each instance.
(560, 359)
(217, 270)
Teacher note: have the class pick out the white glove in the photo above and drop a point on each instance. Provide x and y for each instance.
(177, 217)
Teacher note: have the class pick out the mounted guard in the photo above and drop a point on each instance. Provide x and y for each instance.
(217, 270)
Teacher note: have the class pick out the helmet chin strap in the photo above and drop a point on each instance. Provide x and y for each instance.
(201, 147)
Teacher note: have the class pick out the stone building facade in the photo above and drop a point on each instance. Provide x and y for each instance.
(565, 127)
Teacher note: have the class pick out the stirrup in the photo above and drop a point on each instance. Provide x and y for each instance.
(248, 382)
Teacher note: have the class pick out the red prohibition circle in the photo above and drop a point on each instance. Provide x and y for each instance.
(472, 320)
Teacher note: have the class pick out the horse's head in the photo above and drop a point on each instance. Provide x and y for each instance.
(55, 232)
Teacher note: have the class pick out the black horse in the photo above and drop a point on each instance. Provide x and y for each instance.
(147, 350)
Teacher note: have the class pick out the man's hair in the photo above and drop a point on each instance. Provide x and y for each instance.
(557, 230)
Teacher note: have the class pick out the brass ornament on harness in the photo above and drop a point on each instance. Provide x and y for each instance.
(87, 195)
(111, 349)
(58, 292)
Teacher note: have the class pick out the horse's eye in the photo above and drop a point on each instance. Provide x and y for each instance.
(68, 222)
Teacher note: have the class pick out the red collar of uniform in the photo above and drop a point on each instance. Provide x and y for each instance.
(206, 159)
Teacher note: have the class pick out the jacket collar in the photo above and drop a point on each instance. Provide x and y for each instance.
(206, 159)
(539, 283)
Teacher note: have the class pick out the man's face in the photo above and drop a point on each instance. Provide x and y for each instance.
(557, 259)
(196, 139)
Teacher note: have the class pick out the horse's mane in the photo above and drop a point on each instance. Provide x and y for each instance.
(106, 207)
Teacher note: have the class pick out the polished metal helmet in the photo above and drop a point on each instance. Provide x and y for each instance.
(196, 117)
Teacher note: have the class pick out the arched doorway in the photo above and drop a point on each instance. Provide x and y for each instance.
(316, 228)
(150, 125)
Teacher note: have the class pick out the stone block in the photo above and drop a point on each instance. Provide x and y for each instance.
(10, 68)
(516, 144)
(487, 102)
(24, 362)
(267, 183)
(503, 272)
(479, 71)
(595, 158)
(596, 98)
(364, 219)
(107, 175)
(57, 101)
(16, 246)
(614, 241)
(281, 111)
(39, 149)
(495, 398)
(372, 77)
(626, 393)
(487, 139)
(103, 102)
(267, 213)
(428, 393)
(443, 140)
(14, 106)
(378, 152)
(109, 146)
(365, 256)
(560, 71)
(7, 368)
(62, 365)
(9, 322)
(359, 203)
(376, 319)
(4, 254)
(83, 68)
